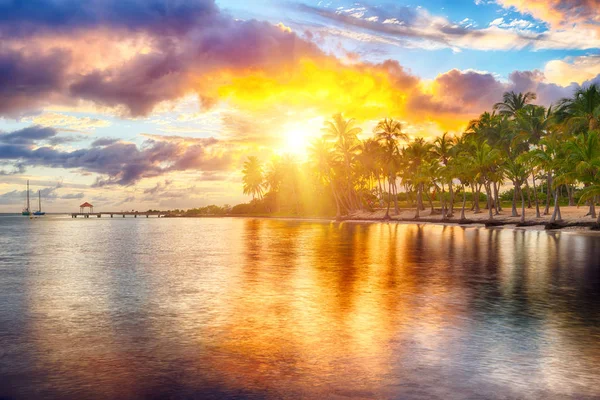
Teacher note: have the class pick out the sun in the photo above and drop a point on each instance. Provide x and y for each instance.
(298, 135)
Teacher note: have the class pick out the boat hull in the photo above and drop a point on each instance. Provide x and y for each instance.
(25, 213)
(39, 213)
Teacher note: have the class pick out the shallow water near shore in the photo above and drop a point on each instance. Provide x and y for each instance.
(265, 308)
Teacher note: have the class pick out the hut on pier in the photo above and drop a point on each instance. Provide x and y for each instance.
(84, 206)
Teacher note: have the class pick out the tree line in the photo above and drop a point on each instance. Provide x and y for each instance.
(547, 156)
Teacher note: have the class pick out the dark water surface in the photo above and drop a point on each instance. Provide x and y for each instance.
(250, 308)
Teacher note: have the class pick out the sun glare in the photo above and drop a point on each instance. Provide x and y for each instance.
(298, 135)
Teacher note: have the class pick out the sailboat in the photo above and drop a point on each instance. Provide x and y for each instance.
(39, 211)
(26, 210)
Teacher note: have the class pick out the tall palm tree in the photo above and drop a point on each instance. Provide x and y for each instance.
(484, 160)
(253, 177)
(389, 132)
(418, 153)
(443, 149)
(344, 133)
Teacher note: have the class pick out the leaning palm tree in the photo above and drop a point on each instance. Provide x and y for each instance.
(252, 178)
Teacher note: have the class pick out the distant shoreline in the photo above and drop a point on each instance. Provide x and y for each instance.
(574, 218)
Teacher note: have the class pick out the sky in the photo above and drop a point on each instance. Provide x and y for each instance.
(146, 104)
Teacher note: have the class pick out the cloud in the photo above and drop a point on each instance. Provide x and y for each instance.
(24, 85)
(573, 69)
(416, 27)
(73, 196)
(559, 13)
(117, 163)
(35, 17)
(18, 196)
(475, 91)
(69, 122)
(104, 142)
(27, 136)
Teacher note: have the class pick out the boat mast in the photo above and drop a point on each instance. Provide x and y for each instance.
(40, 200)
(27, 194)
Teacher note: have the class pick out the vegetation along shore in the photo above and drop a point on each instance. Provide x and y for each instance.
(519, 163)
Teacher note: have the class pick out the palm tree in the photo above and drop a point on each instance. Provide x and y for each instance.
(484, 160)
(513, 102)
(581, 112)
(443, 149)
(418, 153)
(345, 135)
(253, 177)
(584, 158)
(389, 132)
(321, 155)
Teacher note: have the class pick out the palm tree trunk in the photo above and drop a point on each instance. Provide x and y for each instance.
(387, 211)
(556, 213)
(514, 200)
(396, 197)
(380, 189)
(464, 203)
(528, 193)
(451, 194)
(419, 195)
(548, 193)
(476, 198)
(430, 198)
(570, 190)
(488, 190)
(443, 201)
(522, 206)
(497, 204)
(535, 197)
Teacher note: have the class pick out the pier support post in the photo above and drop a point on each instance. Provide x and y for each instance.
(135, 216)
(147, 215)
(123, 215)
(111, 215)
(99, 215)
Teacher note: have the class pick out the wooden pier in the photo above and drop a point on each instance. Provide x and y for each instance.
(112, 214)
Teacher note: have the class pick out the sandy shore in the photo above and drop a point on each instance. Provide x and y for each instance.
(573, 218)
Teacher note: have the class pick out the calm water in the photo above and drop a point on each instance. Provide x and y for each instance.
(243, 308)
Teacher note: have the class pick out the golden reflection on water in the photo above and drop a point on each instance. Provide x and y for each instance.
(273, 308)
